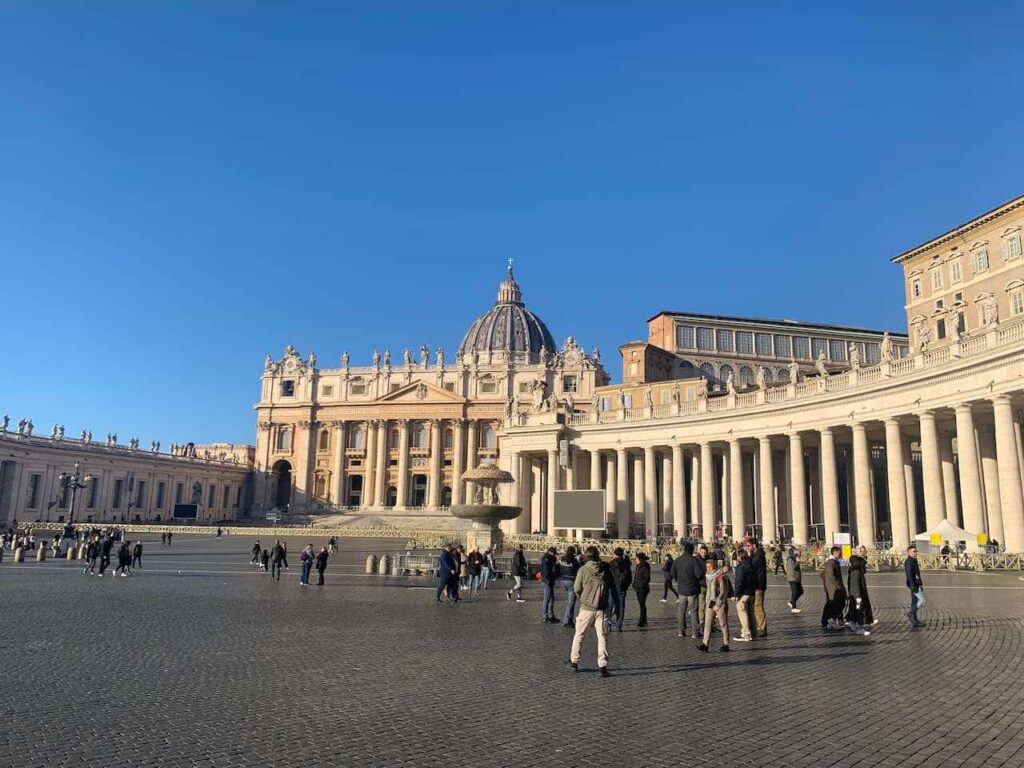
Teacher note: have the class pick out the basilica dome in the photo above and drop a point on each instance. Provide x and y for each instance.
(508, 326)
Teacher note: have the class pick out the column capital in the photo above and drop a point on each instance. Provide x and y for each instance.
(891, 421)
(999, 399)
(963, 408)
(926, 415)
(858, 426)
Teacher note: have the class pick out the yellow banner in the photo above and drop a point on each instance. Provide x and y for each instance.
(936, 539)
(982, 539)
(847, 551)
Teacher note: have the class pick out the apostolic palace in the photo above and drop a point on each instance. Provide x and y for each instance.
(720, 425)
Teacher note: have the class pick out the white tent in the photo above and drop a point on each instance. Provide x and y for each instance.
(947, 531)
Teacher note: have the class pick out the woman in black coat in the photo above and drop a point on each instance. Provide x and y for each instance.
(857, 589)
(642, 585)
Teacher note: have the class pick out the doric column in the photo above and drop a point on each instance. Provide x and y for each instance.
(638, 514)
(898, 520)
(510, 492)
(304, 452)
(934, 499)
(610, 493)
(766, 476)
(829, 484)
(471, 456)
(523, 472)
(665, 497)
(339, 464)
(990, 476)
(595, 471)
(722, 487)
(798, 489)
(678, 491)
(949, 479)
(911, 488)
(650, 492)
(622, 492)
(694, 516)
(970, 477)
(434, 487)
(862, 487)
(707, 493)
(736, 496)
(369, 495)
(382, 461)
(1011, 497)
(402, 488)
(458, 461)
(552, 486)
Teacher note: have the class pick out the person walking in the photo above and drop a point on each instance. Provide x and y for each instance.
(475, 568)
(912, 572)
(105, 547)
(306, 562)
(265, 560)
(666, 572)
(795, 576)
(687, 574)
(869, 614)
(520, 571)
(760, 568)
(702, 556)
(642, 585)
(488, 568)
(568, 567)
(447, 575)
(746, 588)
(549, 577)
(163, 539)
(169, 534)
(835, 593)
(92, 553)
(256, 550)
(332, 546)
(622, 577)
(591, 587)
(719, 591)
(856, 581)
(124, 560)
(277, 559)
(321, 565)
(137, 555)
(463, 572)
(777, 561)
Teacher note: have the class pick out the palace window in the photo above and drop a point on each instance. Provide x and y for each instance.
(955, 274)
(817, 347)
(227, 496)
(238, 496)
(488, 387)
(872, 353)
(358, 388)
(939, 304)
(179, 493)
(940, 328)
(211, 498)
(140, 494)
(357, 438)
(325, 440)
(746, 377)
(684, 336)
(705, 339)
(118, 493)
(979, 261)
(707, 371)
(94, 493)
(488, 438)
(287, 388)
(915, 288)
(725, 372)
(837, 349)
(1017, 301)
(801, 347)
(449, 438)
(394, 442)
(744, 342)
(1011, 247)
(782, 346)
(724, 340)
(569, 384)
(328, 391)
(763, 344)
(33, 491)
(449, 386)
(284, 439)
(937, 278)
(666, 397)
(782, 376)
(986, 310)
(419, 435)
(160, 491)
(525, 387)
(686, 370)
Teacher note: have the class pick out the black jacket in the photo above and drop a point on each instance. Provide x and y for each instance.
(519, 565)
(688, 574)
(549, 568)
(746, 583)
(856, 580)
(912, 571)
(474, 563)
(759, 566)
(622, 574)
(321, 560)
(642, 579)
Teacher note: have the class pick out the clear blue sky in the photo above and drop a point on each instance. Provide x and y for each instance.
(186, 187)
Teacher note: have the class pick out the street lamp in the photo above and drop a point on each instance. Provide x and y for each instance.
(75, 482)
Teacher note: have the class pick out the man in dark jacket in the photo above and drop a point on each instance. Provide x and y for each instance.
(520, 571)
(835, 592)
(549, 573)
(277, 559)
(686, 571)
(746, 587)
(642, 585)
(105, 547)
(137, 555)
(912, 571)
(759, 565)
(447, 574)
(321, 565)
(622, 577)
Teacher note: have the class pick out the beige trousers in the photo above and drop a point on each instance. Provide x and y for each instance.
(720, 612)
(743, 610)
(584, 621)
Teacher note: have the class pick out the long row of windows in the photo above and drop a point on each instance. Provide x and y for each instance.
(952, 266)
(125, 494)
(419, 437)
(779, 345)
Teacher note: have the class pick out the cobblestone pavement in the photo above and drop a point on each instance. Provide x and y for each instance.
(220, 666)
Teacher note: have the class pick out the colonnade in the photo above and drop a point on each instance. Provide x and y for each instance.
(882, 480)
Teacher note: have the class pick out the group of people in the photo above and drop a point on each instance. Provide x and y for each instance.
(98, 550)
(462, 571)
(276, 558)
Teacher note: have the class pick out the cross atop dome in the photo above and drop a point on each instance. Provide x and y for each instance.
(508, 291)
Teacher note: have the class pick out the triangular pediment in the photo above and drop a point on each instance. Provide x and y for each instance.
(421, 392)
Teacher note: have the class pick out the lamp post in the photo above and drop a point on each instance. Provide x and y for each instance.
(75, 482)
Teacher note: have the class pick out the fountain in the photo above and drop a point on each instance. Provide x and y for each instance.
(486, 511)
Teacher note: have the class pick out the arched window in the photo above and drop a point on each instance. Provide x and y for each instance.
(394, 440)
(325, 440)
(782, 376)
(357, 437)
(686, 370)
(746, 377)
(419, 435)
(488, 438)
(284, 439)
(707, 371)
(449, 439)
(724, 372)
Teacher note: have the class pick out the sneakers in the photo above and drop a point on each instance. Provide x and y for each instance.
(605, 672)
(520, 600)
(663, 600)
(724, 649)
(574, 665)
(796, 610)
(702, 648)
(742, 639)
(508, 595)
(789, 604)
(680, 635)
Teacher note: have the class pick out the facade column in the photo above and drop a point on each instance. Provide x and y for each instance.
(639, 516)
(523, 479)
(766, 477)
(829, 484)
(595, 471)
(382, 461)
(695, 480)
(736, 495)
(678, 492)
(897, 487)
(610, 494)
(990, 476)
(434, 483)
(339, 465)
(369, 495)
(471, 457)
(458, 460)
(665, 501)
(934, 498)
(650, 492)
(967, 463)
(552, 486)
(949, 479)
(1011, 496)
(722, 486)
(862, 487)
(622, 492)
(402, 486)
(798, 489)
(911, 489)
(707, 493)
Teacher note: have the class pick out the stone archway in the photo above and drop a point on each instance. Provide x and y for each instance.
(281, 492)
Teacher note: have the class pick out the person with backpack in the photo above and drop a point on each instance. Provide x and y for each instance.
(92, 553)
(591, 588)
(718, 593)
(666, 572)
(519, 572)
(568, 567)
(794, 575)
(642, 586)
(549, 577)
(622, 578)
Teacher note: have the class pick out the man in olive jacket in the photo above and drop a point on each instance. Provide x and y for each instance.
(591, 595)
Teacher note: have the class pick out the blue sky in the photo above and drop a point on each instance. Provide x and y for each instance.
(186, 187)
